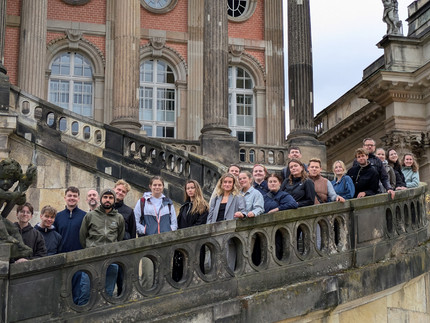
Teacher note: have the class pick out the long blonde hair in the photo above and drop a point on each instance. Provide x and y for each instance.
(220, 191)
(199, 204)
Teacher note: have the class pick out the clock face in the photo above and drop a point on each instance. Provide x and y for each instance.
(158, 4)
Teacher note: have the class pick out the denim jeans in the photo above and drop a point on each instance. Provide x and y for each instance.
(81, 288)
(111, 276)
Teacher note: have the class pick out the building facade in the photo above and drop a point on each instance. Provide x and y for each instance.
(138, 65)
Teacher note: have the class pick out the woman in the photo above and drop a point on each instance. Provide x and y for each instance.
(259, 173)
(298, 184)
(380, 153)
(193, 212)
(154, 212)
(254, 202)
(410, 170)
(342, 183)
(195, 209)
(393, 161)
(277, 200)
(227, 201)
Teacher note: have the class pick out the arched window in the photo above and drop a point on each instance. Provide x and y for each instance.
(241, 107)
(71, 83)
(157, 99)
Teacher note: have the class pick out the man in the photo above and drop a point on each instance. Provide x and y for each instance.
(294, 152)
(323, 188)
(102, 226)
(370, 145)
(92, 199)
(121, 190)
(68, 223)
(364, 176)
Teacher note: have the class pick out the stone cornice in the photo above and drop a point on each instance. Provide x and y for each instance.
(352, 124)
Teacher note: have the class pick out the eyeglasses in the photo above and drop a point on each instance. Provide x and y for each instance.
(369, 145)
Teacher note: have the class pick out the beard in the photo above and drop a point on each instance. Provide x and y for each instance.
(107, 205)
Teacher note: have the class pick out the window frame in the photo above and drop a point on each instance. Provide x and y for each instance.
(71, 78)
(233, 93)
(155, 86)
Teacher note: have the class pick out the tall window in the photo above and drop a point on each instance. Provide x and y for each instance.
(157, 99)
(71, 83)
(241, 109)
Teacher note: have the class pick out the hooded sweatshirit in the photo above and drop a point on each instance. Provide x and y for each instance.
(52, 239)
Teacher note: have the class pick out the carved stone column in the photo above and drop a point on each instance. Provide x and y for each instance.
(300, 82)
(216, 141)
(125, 114)
(32, 47)
(300, 70)
(273, 35)
(195, 69)
(2, 28)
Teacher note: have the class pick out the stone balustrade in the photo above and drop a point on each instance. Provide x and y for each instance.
(227, 265)
(111, 151)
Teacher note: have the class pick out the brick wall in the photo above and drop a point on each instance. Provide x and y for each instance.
(13, 7)
(174, 20)
(11, 53)
(93, 12)
(252, 28)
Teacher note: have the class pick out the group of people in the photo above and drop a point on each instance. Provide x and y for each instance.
(238, 195)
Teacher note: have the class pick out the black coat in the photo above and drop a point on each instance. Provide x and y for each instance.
(376, 163)
(365, 179)
(52, 239)
(129, 219)
(33, 239)
(187, 219)
(302, 192)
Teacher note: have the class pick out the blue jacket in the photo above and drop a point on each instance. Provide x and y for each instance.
(52, 239)
(345, 187)
(412, 178)
(281, 200)
(151, 222)
(68, 225)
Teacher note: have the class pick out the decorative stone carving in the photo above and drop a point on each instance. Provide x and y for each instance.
(157, 44)
(11, 173)
(74, 37)
(391, 17)
(236, 52)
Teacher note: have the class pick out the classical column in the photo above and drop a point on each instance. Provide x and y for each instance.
(273, 34)
(300, 71)
(32, 47)
(216, 141)
(300, 82)
(195, 69)
(2, 28)
(125, 114)
(4, 79)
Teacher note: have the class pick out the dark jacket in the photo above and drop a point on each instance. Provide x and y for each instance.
(262, 188)
(365, 179)
(52, 239)
(400, 178)
(33, 239)
(68, 225)
(380, 170)
(281, 200)
(187, 219)
(302, 192)
(130, 221)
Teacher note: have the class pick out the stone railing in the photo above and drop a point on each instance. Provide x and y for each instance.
(225, 263)
(108, 150)
(267, 155)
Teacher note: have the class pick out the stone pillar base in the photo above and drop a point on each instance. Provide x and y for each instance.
(223, 149)
(127, 124)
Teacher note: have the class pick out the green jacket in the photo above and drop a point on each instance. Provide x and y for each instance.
(99, 228)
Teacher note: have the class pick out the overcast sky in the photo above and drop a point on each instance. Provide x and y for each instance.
(344, 38)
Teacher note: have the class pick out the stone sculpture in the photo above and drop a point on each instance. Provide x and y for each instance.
(11, 173)
(391, 17)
